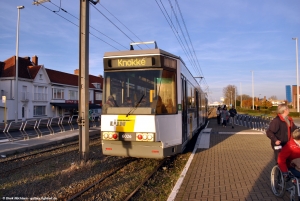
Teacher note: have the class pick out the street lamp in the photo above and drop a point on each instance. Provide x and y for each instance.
(252, 92)
(17, 64)
(297, 73)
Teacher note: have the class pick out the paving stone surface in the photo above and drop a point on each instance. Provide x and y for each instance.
(234, 167)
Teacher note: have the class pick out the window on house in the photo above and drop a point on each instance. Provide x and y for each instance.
(98, 96)
(73, 95)
(40, 93)
(97, 85)
(58, 93)
(39, 110)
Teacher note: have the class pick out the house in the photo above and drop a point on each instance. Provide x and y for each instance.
(42, 92)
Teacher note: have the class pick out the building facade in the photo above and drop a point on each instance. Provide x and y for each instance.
(42, 92)
(294, 96)
(288, 93)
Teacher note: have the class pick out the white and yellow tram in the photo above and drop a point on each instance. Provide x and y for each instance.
(152, 105)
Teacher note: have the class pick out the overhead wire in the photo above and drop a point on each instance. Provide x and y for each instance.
(78, 26)
(177, 37)
(189, 37)
(122, 24)
(198, 68)
(191, 53)
(175, 15)
(113, 23)
(90, 27)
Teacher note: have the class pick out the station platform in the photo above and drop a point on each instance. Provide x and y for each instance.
(19, 146)
(227, 165)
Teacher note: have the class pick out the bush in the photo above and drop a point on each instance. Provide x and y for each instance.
(294, 114)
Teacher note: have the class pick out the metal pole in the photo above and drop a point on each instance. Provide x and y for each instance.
(17, 64)
(235, 97)
(297, 99)
(231, 98)
(4, 101)
(83, 81)
(241, 95)
(252, 92)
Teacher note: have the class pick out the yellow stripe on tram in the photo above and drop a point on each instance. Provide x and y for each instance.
(125, 124)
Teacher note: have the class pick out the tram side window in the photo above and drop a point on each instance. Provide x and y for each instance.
(191, 96)
(166, 90)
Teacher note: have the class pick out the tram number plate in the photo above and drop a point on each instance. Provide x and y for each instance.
(128, 137)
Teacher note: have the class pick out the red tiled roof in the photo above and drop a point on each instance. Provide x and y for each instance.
(9, 69)
(70, 79)
(33, 70)
(27, 70)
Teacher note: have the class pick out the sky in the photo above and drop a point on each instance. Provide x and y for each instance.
(228, 42)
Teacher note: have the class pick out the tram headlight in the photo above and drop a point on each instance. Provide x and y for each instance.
(145, 137)
(150, 137)
(110, 135)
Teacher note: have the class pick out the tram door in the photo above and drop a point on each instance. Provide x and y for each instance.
(184, 109)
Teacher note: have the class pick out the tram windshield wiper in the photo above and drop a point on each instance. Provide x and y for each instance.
(134, 108)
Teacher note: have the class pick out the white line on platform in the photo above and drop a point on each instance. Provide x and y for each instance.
(6, 140)
(243, 133)
(18, 143)
(176, 188)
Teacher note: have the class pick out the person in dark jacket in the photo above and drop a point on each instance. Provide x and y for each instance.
(280, 129)
(232, 113)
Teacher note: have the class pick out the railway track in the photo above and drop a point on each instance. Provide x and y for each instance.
(93, 187)
(41, 159)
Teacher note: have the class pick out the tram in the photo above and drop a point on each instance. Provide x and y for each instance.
(152, 105)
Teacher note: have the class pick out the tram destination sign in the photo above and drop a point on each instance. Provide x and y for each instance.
(131, 62)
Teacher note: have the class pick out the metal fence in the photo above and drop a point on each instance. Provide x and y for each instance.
(260, 123)
(19, 130)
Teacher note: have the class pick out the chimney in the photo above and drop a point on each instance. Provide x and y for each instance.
(76, 71)
(35, 60)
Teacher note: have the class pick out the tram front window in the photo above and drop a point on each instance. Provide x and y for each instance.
(137, 91)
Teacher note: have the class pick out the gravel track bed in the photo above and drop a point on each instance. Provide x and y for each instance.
(62, 177)
(26, 159)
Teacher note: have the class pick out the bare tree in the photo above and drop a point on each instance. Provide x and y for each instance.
(244, 97)
(273, 97)
(228, 93)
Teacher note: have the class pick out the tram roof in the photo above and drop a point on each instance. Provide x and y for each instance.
(129, 53)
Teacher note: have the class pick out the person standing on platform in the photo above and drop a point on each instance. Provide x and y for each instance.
(218, 112)
(280, 129)
(232, 113)
(224, 116)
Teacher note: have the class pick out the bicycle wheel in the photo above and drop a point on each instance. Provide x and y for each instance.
(277, 182)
